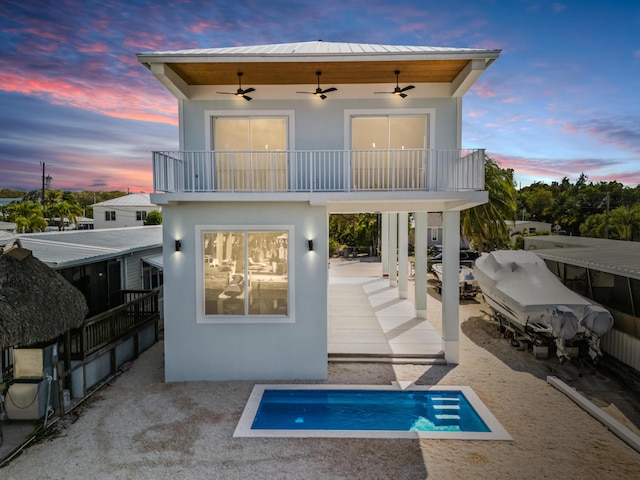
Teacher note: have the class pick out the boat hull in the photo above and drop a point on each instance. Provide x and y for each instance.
(519, 287)
(468, 286)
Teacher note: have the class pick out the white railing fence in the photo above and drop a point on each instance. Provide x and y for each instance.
(319, 170)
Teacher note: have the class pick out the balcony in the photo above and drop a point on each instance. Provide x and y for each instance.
(322, 171)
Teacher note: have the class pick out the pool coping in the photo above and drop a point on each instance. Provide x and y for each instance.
(243, 429)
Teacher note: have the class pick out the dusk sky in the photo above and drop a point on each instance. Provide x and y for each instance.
(562, 99)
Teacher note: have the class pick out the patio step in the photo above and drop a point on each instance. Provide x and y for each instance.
(436, 359)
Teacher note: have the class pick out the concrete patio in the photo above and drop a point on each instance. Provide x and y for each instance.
(367, 320)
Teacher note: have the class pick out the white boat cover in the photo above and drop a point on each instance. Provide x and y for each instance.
(519, 285)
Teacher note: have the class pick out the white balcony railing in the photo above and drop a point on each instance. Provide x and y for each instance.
(319, 171)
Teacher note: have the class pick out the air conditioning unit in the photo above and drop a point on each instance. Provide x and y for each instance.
(32, 392)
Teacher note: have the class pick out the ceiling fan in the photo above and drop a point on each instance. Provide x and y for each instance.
(399, 91)
(240, 92)
(319, 91)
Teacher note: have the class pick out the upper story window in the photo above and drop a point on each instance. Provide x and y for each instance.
(396, 144)
(110, 215)
(257, 158)
(141, 215)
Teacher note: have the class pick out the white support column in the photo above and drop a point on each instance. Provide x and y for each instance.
(403, 255)
(420, 294)
(450, 287)
(393, 249)
(384, 228)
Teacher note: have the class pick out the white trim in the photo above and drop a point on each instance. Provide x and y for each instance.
(181, 124)
(497, 431)
(430, 113)
(201, 318)
(290, 114)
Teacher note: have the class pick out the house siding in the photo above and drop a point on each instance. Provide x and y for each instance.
(246, 351)
(125, 216)
(133, 268)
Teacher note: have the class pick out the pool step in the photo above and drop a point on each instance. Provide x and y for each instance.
(444, 411)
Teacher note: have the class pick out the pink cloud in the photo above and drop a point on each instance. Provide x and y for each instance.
(115, 173)
(548, 170)
(93, 48)
(203, 26)
(112, 100)
(413, 27)
(477, 113)
(483, 89)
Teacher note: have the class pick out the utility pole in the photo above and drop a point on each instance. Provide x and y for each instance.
(606, 224)
(46, 183)
(42, 198)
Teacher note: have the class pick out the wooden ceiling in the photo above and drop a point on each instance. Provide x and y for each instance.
(294, 73)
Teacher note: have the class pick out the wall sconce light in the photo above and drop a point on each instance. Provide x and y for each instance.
(178, 245)
(310, 245)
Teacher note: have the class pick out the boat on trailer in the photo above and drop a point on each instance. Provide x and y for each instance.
(467, 283)
(532, 303)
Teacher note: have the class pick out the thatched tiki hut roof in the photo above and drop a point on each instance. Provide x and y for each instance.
(36, 303)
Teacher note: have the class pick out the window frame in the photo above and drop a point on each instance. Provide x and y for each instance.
(246, 318)
(110, 216)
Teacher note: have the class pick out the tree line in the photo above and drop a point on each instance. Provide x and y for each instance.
(603, 210)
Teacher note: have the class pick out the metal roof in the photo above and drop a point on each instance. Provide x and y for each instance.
(78, 247)
(448, 71)
(612, 256)
(130, 200)
(6, 201)
(155, 260)
(318, 47)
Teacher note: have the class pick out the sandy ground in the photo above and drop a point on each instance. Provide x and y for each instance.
(141, 428)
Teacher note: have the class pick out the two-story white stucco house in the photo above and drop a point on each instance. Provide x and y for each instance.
(273, 139)
(130, 210)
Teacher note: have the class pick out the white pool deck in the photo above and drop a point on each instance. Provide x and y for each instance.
(367, 319)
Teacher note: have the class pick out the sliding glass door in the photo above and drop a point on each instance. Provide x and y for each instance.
(251, 153)
(389, 151)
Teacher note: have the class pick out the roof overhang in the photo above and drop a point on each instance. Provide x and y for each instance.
(185, 73)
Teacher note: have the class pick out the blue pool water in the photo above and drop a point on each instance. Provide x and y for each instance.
(397, 410)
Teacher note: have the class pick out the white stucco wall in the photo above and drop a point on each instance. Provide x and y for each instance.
(320, 124)
(245, 351)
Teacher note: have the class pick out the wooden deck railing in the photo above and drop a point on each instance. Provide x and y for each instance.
(139, 309)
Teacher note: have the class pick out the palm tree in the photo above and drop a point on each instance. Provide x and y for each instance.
(625, 222)
(27, 216)
(65, 209)
(486, 225)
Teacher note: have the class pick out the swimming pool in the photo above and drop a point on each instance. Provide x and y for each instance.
(366, 411)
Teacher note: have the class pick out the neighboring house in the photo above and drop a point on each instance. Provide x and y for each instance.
(273, 139)
(8, 227)
(100, 263)
(527, 227)
(607, 271)
(84, 223)
(435, 232)
(126, 211)
(112, 269)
